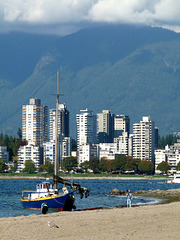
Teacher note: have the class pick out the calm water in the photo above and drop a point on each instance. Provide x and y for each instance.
(10, 194)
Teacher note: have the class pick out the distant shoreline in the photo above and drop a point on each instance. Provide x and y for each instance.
(86, 178)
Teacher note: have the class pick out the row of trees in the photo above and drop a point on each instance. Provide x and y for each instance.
(69, 163)
(48, 167)
(121, 164)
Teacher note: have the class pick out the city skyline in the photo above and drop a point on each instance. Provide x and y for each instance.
(120, 121)
(140, 145)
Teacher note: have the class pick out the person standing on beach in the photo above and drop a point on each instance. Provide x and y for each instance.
(129, 198)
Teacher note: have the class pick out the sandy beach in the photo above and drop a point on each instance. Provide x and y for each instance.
(143, 222)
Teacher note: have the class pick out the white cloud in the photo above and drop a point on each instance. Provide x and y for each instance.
(136, 11)
(45, 11)
(75, 14)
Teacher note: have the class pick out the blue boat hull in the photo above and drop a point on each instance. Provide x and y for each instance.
(61, 203)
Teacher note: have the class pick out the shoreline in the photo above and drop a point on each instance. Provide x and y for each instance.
(88, 178)
(168, 196)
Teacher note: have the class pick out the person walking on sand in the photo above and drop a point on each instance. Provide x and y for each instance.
(129, 198)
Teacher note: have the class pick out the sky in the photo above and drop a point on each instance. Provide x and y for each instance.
(62, 17)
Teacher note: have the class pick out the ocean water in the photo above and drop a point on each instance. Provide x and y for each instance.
(11, 189)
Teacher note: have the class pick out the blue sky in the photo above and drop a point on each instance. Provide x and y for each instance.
(63, 17)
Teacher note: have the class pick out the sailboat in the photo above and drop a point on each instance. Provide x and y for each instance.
(47, 191)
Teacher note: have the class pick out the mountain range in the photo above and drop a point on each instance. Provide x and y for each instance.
(130, 70)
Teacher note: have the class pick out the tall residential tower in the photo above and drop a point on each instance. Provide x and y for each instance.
(105, 127)
(144, 139)
(86, 128)
(63, 122)
(121, 124)
(35, 122)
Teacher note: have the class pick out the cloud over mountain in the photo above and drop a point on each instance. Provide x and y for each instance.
(66, 16)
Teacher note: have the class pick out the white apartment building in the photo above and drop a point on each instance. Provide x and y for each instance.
(86, 128)
(29, 152)
(64, 150)
(4, 154)
(49, 151)
(124, 144)
(35, 122)
(144, 139)
(63, 122)
(65, 147)
(86, 152)
(121, 124)
(121, 146)
(107, 150)
(173, 158)
(160, 156)
(171, 155)
(105, 127)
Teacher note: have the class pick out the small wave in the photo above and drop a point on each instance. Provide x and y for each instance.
(147, 201)
(162, 182)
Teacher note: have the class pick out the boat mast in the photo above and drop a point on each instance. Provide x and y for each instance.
(56, 133)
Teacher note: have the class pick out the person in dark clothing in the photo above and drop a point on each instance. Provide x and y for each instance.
(44, 208)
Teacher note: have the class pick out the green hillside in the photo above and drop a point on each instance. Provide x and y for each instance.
(127, 70)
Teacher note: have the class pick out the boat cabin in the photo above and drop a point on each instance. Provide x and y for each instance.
(44, 189)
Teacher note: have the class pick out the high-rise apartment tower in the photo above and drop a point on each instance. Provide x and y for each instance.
(86, 127)
(35, 122)
(144, 139)
(121, 124)
(63, 122)
(105, 127)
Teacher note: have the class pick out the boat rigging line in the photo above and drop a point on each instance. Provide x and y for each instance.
(74, 186)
